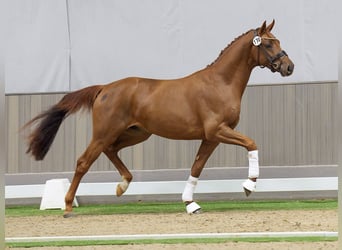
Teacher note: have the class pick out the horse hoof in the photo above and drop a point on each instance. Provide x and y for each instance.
(119, 191)
(193, 208)
(249, 186)
(69, 215)
(247, 192)
(198, 211)
(122, 187)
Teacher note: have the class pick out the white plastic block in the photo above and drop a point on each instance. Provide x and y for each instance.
(54, 193)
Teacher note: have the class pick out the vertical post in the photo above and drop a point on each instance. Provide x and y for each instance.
(339, 127)
(2, 158)
(339, 136)
(2, 146)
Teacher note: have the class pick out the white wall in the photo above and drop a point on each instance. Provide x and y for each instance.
(59, 45)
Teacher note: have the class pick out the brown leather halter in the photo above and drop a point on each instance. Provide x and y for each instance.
(271, 59)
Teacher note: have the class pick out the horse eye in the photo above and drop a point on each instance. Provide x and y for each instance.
(268, 46)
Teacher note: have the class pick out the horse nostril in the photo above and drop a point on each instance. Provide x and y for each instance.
(290, 69)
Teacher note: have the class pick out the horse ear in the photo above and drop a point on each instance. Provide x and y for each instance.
(270, 26)
(262, 29)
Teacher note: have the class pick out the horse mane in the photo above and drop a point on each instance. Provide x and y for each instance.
(228, 46)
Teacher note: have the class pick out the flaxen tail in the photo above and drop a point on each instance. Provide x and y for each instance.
(48, 122)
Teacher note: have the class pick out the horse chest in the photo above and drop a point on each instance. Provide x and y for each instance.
(232, 114)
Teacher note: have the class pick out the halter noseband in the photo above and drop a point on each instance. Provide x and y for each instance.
(257, 41)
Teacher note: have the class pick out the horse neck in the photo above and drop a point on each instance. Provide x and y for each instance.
(235, 64)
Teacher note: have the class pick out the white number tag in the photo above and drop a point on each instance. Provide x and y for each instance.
(257, 40)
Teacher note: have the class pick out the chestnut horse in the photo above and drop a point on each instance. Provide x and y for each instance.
(204, 105)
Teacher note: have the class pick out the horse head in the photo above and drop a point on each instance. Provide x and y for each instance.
(268, 53)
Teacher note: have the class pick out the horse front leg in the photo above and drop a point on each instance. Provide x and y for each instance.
(203, 155)
(227, 135)
(249, 185)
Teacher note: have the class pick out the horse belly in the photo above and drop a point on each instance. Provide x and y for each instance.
(178, 133)
(174, 127)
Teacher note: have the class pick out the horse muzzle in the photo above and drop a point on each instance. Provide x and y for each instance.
(286, 68)
(281, 63)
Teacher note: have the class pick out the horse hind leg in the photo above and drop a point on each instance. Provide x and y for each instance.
(83, 164)
(120, 166)
(130, 137)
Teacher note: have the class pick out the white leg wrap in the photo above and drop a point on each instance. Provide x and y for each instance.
(193, 208)
(253, 172)
(253, 159)
(249, 185)
(189, 189)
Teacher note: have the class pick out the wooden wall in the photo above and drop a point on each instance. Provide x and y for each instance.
(293, 124)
